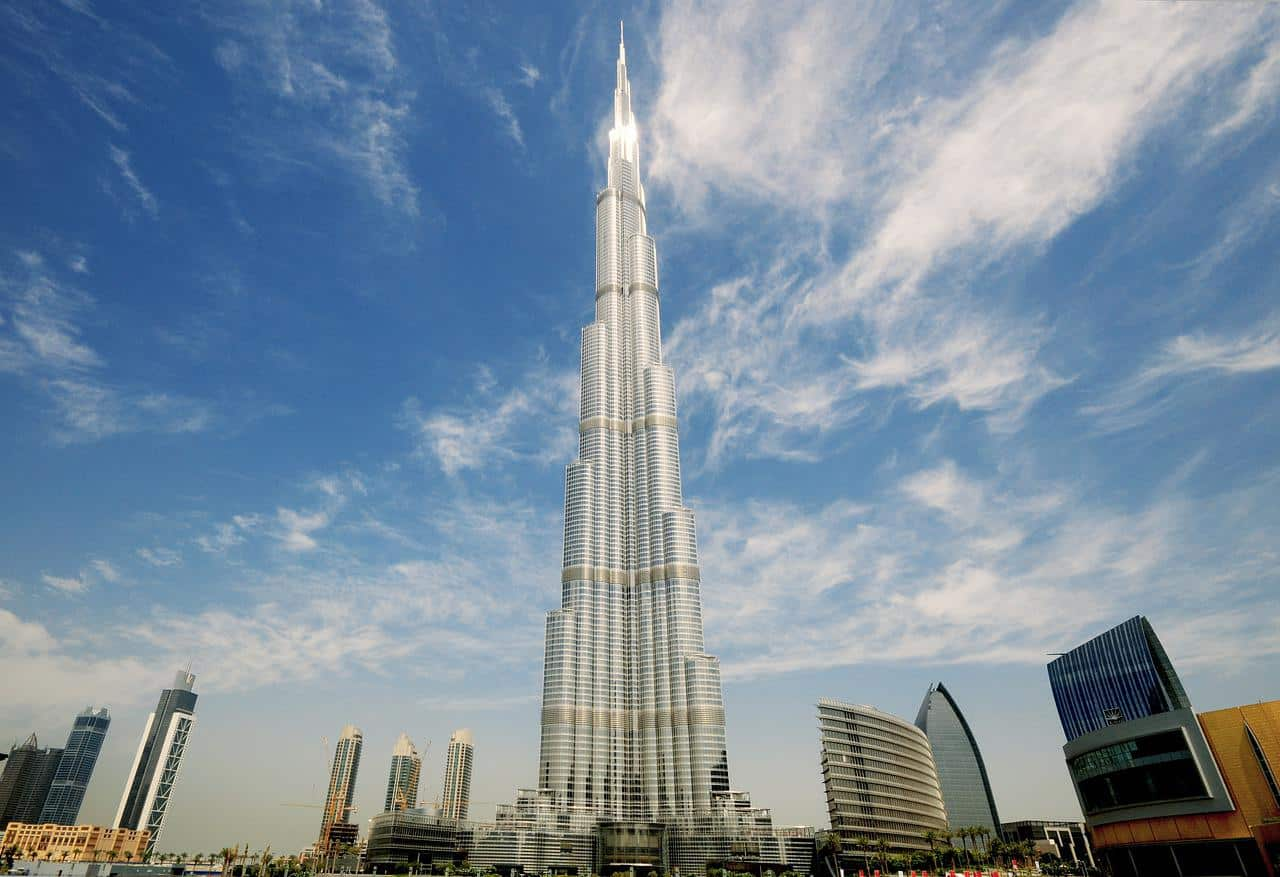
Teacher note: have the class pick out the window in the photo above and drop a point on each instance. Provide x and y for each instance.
(1264, 764)
(1146, 770)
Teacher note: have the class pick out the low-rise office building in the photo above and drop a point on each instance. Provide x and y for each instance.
(1069, 841)
(52, 842)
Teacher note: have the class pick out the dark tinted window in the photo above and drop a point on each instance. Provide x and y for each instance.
(1159, 767)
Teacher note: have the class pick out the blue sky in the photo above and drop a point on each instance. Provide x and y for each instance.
(974, 310)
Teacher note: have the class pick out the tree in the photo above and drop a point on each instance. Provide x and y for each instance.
(882, 847)
(931, 838)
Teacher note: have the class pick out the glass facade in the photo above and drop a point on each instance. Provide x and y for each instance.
(406, 770)
(1145, 770)
(966, 790)
(149, 788)
(25, 780)
(632, 709)
(879, 775)
(342, 784)
(75, 769)
(1118, 676)
(457, 775)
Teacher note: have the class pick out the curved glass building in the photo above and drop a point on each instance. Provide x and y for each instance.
(632, 711)
(962, 775)
(879, 776)
(1120, 675)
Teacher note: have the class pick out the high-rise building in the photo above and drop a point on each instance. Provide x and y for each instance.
(148, 789)
(24, 784)
(632, 710)
(456, 790)
(633, 724)
(1117, 676)
(1163, 790)
(879, 775)
(406, 769)
(342, 786)
(966, 790)
(75, 769)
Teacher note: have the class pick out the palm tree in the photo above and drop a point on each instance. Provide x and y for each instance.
(931, 837)
(882, 847)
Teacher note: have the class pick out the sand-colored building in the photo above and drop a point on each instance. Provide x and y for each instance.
(1244, 836)
(75, 843)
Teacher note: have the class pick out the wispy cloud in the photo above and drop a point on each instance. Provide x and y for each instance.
(502, 109)
(160, 557)
(1147, 393)
(66, 584)
(334, 87)
(121, 159)
(529, 421)
(870, 282)
(942, 560)
(107, 570)
(41, 339)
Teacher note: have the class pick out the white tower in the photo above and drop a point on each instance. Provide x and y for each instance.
(632, 709)
(456, 791)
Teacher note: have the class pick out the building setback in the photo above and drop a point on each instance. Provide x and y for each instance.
(24, 784)
(75, 769)
(456, 789)
(148, 789)
(406, 769)
(335, 824)
(879, 776)
(962, 774)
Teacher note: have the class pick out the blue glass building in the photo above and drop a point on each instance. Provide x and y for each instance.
(1118, 676)
(71, 780)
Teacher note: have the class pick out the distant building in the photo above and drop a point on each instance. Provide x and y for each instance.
(1165, 791)
(335, 822)
(25, 782)
(1117, 676)
(75, 843)
(1068, 841)
(966, 790)
(879, 775)
(456, 791)
(148, 789)
(75, 769)
(406, 769)
(412, 837)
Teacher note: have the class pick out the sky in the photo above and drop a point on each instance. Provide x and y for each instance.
(974, 310)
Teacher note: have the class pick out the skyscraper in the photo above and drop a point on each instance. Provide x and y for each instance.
(966, 790)
(1120, 675)
(149, 786)
(879, 776)
(456, 791)
(24, 784)
(406, 768)
(75, 768)
(342, 783)
(632, 709)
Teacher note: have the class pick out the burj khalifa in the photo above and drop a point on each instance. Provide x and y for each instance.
(632, 769)
(632, 711)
